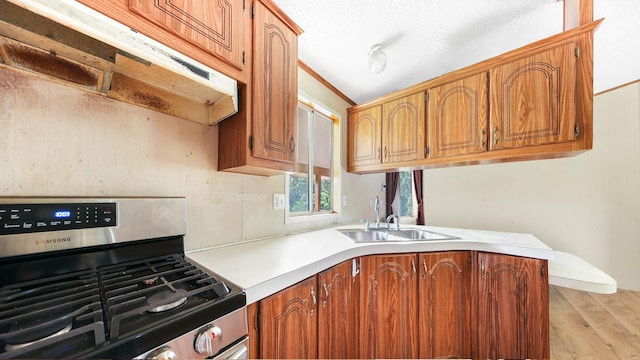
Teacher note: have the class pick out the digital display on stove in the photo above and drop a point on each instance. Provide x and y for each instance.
(62, 214)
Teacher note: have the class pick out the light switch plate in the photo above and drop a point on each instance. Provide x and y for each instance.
(278, 201)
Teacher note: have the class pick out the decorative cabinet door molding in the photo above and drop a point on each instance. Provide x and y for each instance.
(215, 26)
(533, 99)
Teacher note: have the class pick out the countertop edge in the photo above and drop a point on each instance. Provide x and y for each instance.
(339, 249)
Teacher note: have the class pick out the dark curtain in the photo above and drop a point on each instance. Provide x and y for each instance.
(392, 180)
(417, 183)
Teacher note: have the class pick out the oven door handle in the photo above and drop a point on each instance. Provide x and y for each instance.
(236, 352)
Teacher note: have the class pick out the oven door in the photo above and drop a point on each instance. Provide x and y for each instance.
(236, 352)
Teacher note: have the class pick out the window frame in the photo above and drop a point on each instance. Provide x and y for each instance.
(414, 204)
(324, 111)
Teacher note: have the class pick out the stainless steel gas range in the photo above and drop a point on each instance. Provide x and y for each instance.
(107, 278)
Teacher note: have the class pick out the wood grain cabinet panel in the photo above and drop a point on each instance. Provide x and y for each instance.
(513, 307)
(338, 313)
(215, 33)
(288, 325)
(403, 129)
(215, 26)
(275, 85)
(533, 99)
(388, 312)
(445, 296)
(260, 138)
(458, 116)
(389, 133)
(364, 137)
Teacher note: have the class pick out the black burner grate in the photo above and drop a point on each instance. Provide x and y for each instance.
(36, 315)
(143, 293)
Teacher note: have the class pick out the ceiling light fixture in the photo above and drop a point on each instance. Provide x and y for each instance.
(377, 59)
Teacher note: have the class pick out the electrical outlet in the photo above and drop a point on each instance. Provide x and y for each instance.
(278, 201)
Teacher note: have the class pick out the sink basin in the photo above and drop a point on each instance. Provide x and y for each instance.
(363, 236)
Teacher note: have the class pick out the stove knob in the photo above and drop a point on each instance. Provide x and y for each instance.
(163, 353)
(207, 339)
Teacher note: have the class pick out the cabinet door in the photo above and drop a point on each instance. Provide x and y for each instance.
(458, 117)
(364, 137)
(403, 129)
(532, 99)
(215, 26)
(288, 326)
(388, 310)
(275, 87)
(338, 313)
(513, 307)
(445, 299)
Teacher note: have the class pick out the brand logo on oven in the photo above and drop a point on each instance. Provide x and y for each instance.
(53, 241)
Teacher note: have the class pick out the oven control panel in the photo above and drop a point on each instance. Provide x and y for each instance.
(30, 218)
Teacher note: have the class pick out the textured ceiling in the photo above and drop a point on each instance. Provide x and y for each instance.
(424, 39)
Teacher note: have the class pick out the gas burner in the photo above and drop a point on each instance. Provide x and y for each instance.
(161, 297)
(18, 344)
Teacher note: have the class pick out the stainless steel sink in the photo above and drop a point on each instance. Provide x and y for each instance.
(384, 235)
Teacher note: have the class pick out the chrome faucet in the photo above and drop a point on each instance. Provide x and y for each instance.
(377, 207)
(393, 216)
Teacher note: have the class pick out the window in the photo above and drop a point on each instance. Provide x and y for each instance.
(405, 194)
(407, 200)
(311, 189)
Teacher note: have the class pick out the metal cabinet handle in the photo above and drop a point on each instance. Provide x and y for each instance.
(424, 265)
(413, 265)
(292, 145)
(483, 138)
(385, 152)
(482, 268)
(495, 135)
(326, 293)
(378, 153)
(313, 296)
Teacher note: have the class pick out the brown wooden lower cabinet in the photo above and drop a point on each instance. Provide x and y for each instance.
(388, 307)
(338, 313)
(455, 304)
(513, 307)
(445, 305)
(288, 323)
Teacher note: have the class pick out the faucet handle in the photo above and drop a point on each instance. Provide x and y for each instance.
(366, 224)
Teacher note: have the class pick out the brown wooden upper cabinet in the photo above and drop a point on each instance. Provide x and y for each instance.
(457, 117)
(532, 99)
(534, 102)
(197, 29)
(261, 138)
(388, 133)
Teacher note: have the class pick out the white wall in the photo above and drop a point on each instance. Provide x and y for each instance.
(588, 205)
(59, 141)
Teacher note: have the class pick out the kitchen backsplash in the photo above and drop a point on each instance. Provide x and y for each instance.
(60, 141)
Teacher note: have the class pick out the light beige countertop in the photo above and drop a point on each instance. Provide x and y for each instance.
(266, 266)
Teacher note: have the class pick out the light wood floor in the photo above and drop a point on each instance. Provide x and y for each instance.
(594, 326)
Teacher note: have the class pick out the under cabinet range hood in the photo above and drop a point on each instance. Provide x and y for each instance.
(67, 42)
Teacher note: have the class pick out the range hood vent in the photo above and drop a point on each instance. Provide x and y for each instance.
(67, 42)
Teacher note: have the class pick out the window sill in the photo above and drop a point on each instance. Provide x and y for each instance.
(296, 219)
